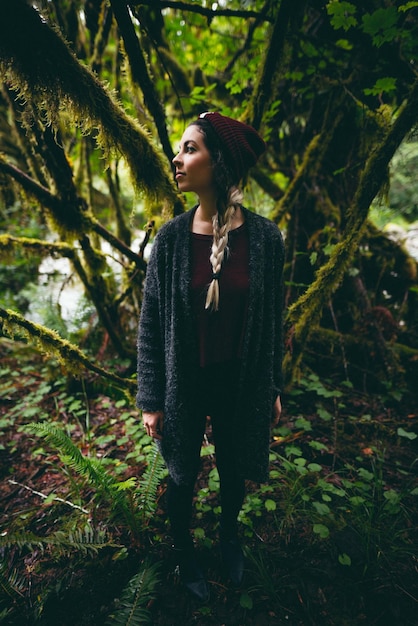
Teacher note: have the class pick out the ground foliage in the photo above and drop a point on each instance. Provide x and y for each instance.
(330, 540)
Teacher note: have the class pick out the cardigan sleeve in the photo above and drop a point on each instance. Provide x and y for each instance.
(151, 360)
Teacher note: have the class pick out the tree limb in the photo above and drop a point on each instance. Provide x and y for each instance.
(263, 91)
(195, 8)
(305, 312)
(50, 201)
(139, 72)
(50, 342)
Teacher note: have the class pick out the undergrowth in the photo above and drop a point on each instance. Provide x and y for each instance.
(330, 539)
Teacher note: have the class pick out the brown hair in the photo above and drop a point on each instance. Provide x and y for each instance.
(229, 198)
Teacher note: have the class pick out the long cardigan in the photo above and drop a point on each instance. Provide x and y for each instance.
(167, 347)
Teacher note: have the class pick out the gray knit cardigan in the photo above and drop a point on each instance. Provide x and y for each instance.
(167, 347)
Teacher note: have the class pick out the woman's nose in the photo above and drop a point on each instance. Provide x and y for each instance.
(176, 161)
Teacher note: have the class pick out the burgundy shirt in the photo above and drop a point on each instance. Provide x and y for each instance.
(220, 333)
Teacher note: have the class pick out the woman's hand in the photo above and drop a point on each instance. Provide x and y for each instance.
(153, 423)
(277, 411)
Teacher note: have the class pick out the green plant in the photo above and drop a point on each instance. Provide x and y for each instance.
(131, 608)
(376, 514)
(120, 496)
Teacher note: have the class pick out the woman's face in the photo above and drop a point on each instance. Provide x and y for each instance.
(194, 169)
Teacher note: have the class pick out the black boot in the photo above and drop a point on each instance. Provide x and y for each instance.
(191, 574)
(233, 559)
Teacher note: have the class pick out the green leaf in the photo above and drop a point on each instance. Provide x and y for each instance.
(199, 533)
(381, 25)
(321, 508)
(270, 505)
(314, 467)
(321, 530)
(357, 500)
(303, 423)
(324, 414)
(344, 559)
(313, 258)
(382, 85)
(317, 445)
(342, 14)
(246, 601)
(407, 434)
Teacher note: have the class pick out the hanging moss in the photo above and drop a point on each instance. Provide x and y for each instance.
(305, 314)
(40, 66)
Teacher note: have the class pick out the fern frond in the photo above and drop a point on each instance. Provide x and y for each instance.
(11, 583)
(21, 540)
(86, 540)
(146, 494)
(140, 590)
(119, 495)
(72, 456)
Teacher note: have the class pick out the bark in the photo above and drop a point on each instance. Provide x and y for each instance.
(306, 312)
(140, 74)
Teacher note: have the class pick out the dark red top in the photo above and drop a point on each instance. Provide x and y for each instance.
(220, 333)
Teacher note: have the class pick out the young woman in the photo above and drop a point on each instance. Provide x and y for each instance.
(210, 335)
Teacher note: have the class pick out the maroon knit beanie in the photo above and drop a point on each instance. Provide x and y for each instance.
(240, 142)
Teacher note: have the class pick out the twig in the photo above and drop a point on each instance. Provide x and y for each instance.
(44, 496)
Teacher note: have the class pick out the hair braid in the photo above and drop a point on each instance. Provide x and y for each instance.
(222, 223)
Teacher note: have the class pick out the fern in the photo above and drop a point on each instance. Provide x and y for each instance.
(147, 490)
(140, 590)
(120, 495)
(87, 541)
(11, 584)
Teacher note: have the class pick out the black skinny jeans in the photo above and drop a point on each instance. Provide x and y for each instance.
(215, 396)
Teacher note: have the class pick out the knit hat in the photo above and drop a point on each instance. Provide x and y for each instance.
(240, 142)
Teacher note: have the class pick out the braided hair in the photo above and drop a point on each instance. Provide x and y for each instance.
(229, 197)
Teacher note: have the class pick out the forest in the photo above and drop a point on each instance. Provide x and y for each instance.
(94, 98)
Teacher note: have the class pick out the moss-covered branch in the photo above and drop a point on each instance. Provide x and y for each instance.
(9, 245)
(197, 8)
(52, 202)
(305, 313)
(41, 67)
(49, 342)
(29, 185)
(264, 89)
(139, 72)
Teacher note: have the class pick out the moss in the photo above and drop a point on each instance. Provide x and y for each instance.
(48, 341)
(40, 66)
(10, 245)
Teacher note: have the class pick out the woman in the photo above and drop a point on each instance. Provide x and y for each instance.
(210, 335)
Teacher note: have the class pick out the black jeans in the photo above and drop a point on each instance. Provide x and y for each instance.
(215, 396)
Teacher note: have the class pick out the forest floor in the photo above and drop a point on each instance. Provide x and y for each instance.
(332, 541)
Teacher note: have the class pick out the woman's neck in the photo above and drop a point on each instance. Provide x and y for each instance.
(203, 219)
(202, 223)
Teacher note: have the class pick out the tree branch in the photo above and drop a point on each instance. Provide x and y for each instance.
(263, 91)
(305, 313)
(195, 8)
(50, 342)
(50, 201)
(139, 72)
